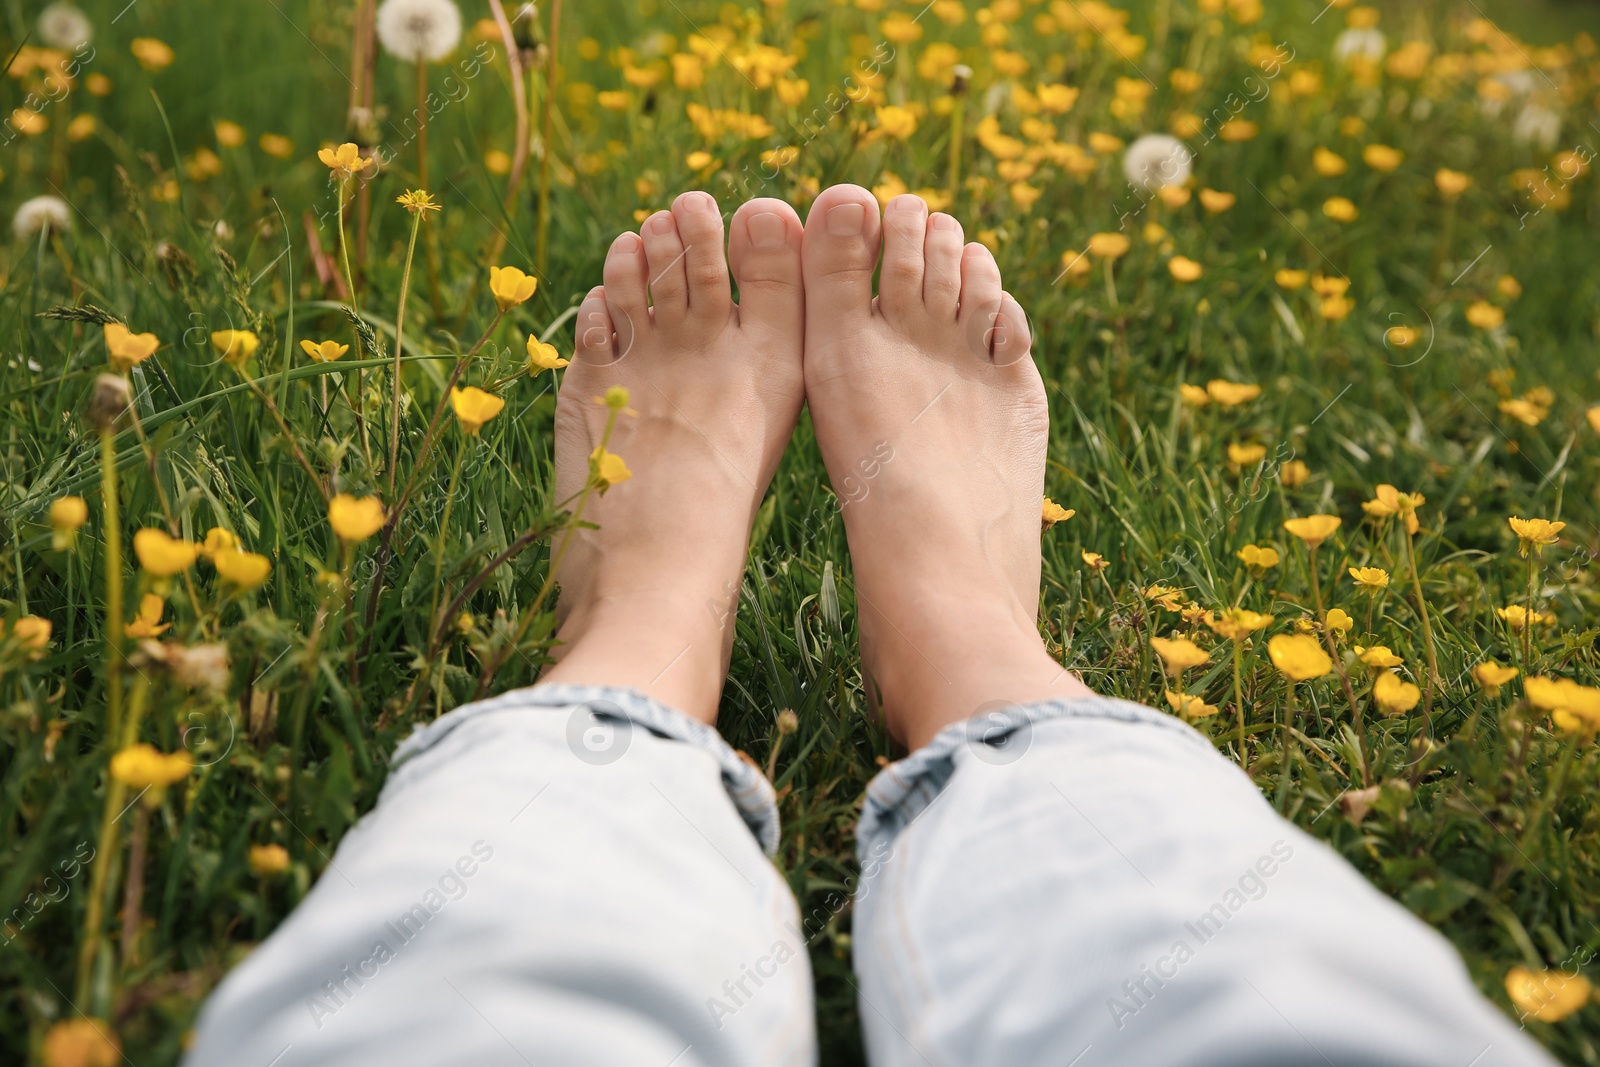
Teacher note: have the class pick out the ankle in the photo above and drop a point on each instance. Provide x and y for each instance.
(671, 649)
(936, 676)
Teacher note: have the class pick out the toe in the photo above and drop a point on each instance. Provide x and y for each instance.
(905, 226)
(704, 263)
(1011, 339)
(841, 250)
(980, 284)
(596, 341)
(626, 275)
(764, 247)
(669, 285)
(941, 276)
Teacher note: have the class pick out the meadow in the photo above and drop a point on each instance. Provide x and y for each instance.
(275, 429)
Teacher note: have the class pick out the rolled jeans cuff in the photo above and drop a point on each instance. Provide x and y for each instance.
(599, 729)
(905, 789)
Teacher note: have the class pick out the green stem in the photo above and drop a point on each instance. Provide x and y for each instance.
(399, 333)
(1344, 675)
(1238, 702)
(444, 528)
(111, 537)
(1427, 627)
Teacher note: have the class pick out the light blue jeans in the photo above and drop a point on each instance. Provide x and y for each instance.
(580, 875)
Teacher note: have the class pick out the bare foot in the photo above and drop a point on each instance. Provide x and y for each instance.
(647, 600)
(932, 420)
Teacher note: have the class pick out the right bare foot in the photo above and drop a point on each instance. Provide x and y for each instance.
(932, 421)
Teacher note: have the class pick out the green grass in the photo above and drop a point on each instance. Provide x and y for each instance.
(1470, 830)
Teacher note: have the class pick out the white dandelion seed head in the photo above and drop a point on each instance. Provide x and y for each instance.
(1157, 159)
(1537, 125)
(64, 26)
(1368, 44)
(419, 30)
(41, 213)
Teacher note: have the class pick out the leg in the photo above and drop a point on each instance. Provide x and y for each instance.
(1052, 878)
(574, 873)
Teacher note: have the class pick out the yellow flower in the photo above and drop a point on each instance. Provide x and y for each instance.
(324, 351)
(1340, 209)
(126, 348)
(510, 286)
(229, 134)
(1189, 706)
(1184, 269)
(1057, 98)
(616, 399)
(699, 160)
(1524, 410)
(474, 407)
(1313, 529)
(1402, 336)
(1338, 621)
(1451, 183)
(345, 160)
(1323, 285)
(1231, 394)
(235, 346)
(1492, 676)
(1378, 656)
(1299, 657)
(418, 202)
(1094, 560)
(276, 145)
(1548, 996)
(1535, 533)
(1051, 513)
(1394, 694)
(267, 860)
(1166, 596)
(67, 516)
(244, 569)
(1108, 245)
(355, 518)
(1179, 654)
(1593, 415)
(1370, 577)
(543, 357)
(148, 623)
(895, 122)
(1391, 501)
(1291, 279)
(607, 468)
(1293, 474)
(152, 54)
(1237, 130)
(81, 1043)
(1328, 164)
(497, 162)
(33, 634)
(1196, 397)
(1381, 157)
(162, 555)
(1236, 624)
(1243, 455)
(1484, 315)
(1519, 618)
(143, 766)
(1257, 557)
(1217, 202)
(218, 540)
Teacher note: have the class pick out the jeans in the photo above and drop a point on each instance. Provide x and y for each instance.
(580, 875)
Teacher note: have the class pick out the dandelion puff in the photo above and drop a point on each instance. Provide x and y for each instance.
(1155, 160)
(1537, 125)
(1360, 44)
(417, 30)
(41, 213)
(64, 26)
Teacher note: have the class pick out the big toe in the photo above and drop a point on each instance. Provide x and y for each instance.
(764, 243)
(841, 251)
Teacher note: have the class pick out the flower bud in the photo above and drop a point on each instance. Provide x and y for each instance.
(109, 401)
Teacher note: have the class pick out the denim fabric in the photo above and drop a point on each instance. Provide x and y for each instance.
(1090, 883)
(539, 884)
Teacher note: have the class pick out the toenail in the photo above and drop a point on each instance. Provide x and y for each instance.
(628, 242)
(846, 220)
(766, 230)
(662, 223)
(700, 200)
(944, 222)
